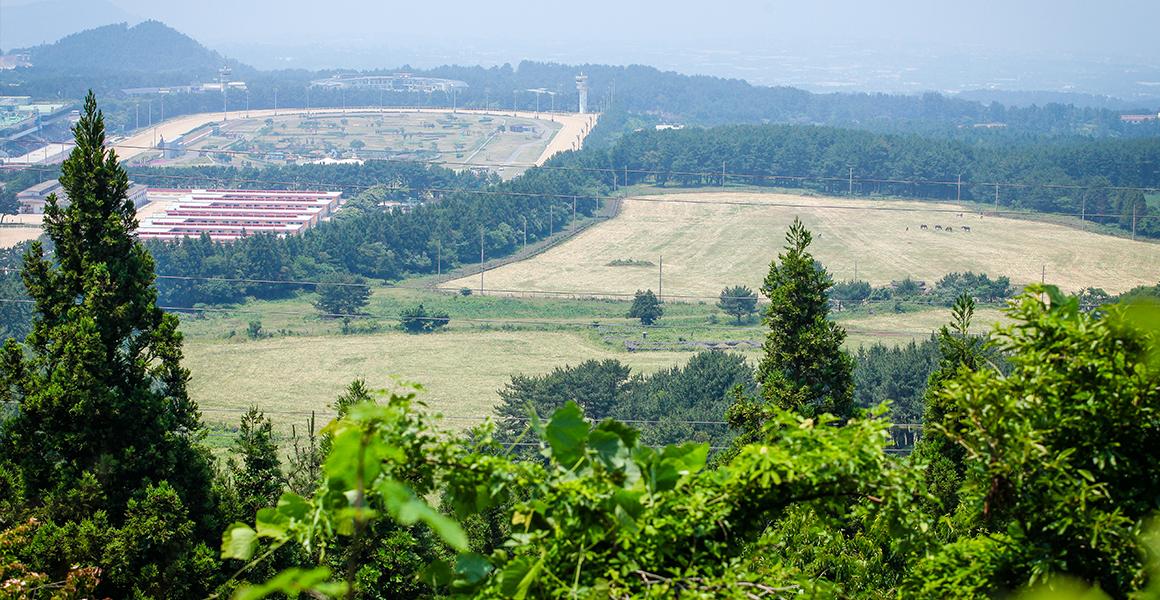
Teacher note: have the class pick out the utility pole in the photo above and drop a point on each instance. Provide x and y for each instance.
(525, 232)
(850, 182)
(1083, 213)
(1043, 274)
(1134, 220)
(722, 173)
(661, 278)
(996, 199)
(959, 189)
(626, 175)
(551, 219)
(481, 261)
(438, 257)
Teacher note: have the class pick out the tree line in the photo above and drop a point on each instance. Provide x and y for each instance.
(1068, 176)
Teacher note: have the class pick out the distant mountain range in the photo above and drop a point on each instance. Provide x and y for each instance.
(149, 46)
(35, 23)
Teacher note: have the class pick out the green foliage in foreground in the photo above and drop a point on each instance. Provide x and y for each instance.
(1058, 480)
(603, 515)
(1058, 456)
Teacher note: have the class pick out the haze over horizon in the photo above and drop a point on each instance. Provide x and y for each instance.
(906, 46)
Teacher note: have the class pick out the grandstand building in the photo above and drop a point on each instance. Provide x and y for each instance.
(399, 82)
(232, 214)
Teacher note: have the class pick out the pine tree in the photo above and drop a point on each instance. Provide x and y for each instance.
(943, 457)
(257, 480)
(646, 307)
(739, 301)
(99, 385)
(804, 367)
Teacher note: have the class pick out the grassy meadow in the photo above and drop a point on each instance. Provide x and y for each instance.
(299, 362)
(711, 240)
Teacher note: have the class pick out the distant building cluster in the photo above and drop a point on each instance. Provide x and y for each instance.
(20, 116)
(233, 214)
(398, 82)
(197, 88)
(1139, 118)
(33, 199)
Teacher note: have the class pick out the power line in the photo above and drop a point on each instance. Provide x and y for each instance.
(594, 324)
(663, 199)
(956, 183)
(508, 418)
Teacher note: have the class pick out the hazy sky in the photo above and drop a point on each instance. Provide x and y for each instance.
(908, 45)
(1083, 28)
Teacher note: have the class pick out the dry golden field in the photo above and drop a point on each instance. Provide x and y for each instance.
(707, 244)
(461, 371)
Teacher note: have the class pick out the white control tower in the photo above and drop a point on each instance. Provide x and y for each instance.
(582, 87)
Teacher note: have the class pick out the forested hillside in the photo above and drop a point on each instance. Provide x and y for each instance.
(148, 47)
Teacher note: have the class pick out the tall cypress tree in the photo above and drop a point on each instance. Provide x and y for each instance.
(804, 367)
(101, 392)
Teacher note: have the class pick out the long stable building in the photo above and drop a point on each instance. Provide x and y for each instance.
(233, 214)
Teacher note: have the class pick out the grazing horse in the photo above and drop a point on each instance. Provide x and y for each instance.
(938, 227)
(966, 227)
(924, 226)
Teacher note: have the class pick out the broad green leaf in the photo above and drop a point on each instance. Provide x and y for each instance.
(472, 568)
(675, 463)
(566, 433)
(272, 524)
(408, 509)
(627, 434)
(437, 573)
(610, 449)
(341, 466)
(292, 582)
(239, 541)
(519, 576)
(293, 506)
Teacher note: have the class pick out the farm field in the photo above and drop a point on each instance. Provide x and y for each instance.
(461, 371)
(711, 240)
(490, 339)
